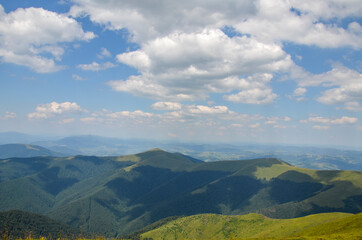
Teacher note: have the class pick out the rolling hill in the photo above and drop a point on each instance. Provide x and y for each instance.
(114, 196)
(256, 226)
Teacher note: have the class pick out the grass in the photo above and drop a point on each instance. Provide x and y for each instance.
(255, 226)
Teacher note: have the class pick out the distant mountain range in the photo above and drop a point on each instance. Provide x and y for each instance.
(25, 150)
(301, 156)
(114, 196)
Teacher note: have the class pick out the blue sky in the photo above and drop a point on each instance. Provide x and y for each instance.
(222, 71)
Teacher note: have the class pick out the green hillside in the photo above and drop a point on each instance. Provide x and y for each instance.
(114, 196)
(255, 226)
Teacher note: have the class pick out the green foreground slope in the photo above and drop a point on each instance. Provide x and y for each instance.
(256, 226)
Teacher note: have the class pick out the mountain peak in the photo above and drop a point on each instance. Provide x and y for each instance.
(156, 150)
(162, 159)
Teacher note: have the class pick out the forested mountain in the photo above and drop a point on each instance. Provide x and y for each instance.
(17, 224)
(113, 196)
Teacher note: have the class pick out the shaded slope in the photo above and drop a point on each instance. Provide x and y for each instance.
(211, 226)
(39, 184)
(19, 224)
(162, 184)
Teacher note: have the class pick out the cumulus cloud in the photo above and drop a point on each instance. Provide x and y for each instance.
(147, 20)
(184, 55)
(200, 109)
(323, 120)
(255, 125)
(123, 114)
(318, 127)
(353, 106)
(166, 106)
(8, 115)
(300, 23)
(345, 86)
(304, 22)
(44, 111)
(28, 36)
(299, 94)
(77, 77)
(276, 120)
(104, 53)
(255, 90)
(94, 66)
(191, 66)
(66, 120)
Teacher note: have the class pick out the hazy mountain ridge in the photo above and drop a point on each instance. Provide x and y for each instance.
(128, 192)
(334, 158)
(25, 150)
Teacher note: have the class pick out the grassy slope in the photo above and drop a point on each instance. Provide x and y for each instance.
(212, 226)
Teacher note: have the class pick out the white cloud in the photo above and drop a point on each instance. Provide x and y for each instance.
(236, 125)
(66, 120)
(321, 127)
(8, 115)
(166, 106)
(104, 53)
(323, 120)
(353, 106)
(276, 120)
(304, 22)
(27, 34)
(77, 77)
(276, 20)
(200, 109)
(191, 66)
(255, 125)
(44, 111)
(96, 66)
(91, 119)
(149, 20)
(347, 85)
(287, 119)
(123, 114)
(269, 122)
(184, 55)
(327, 9)
(300, 92)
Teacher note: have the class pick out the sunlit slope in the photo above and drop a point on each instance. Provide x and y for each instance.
(212, 226)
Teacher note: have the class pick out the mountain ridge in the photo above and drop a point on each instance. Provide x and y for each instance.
(14, 150)
(129, 192)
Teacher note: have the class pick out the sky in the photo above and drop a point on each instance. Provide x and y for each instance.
(236, 71)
